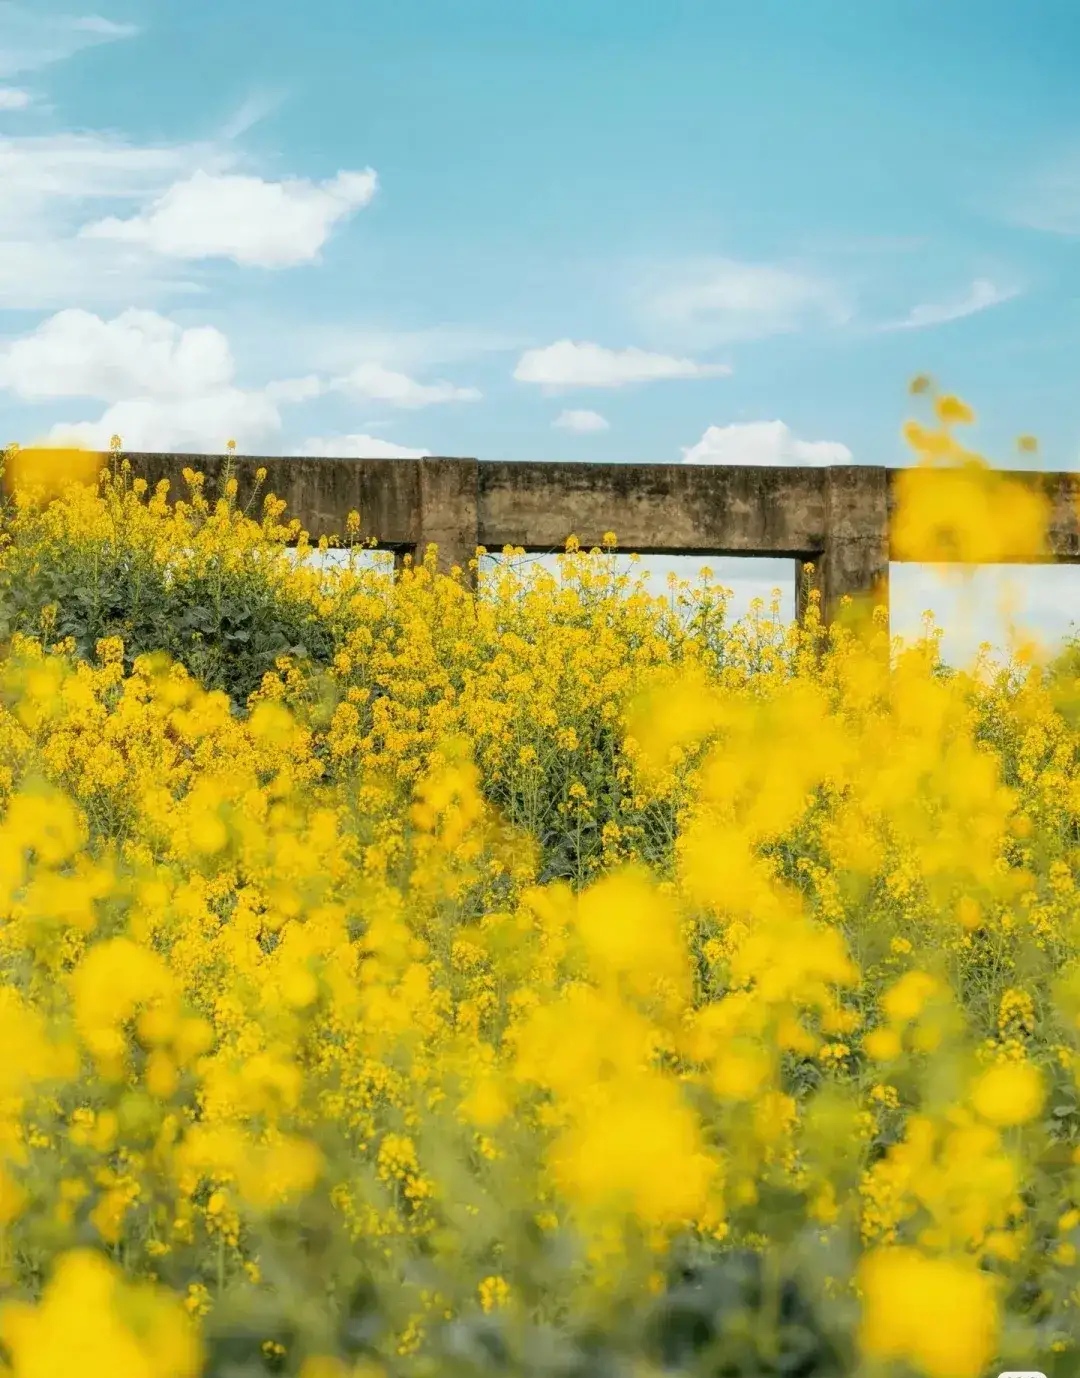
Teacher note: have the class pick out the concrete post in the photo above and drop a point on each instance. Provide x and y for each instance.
(447, 514)
(855, 560)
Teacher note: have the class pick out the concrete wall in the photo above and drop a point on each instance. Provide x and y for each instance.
(835, 518)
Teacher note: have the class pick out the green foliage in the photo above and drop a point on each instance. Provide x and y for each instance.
(227, 626)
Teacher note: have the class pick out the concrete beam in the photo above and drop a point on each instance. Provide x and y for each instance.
(320, 493)
(654, 509)
(854, 563)
(448, 512)
(835, 518)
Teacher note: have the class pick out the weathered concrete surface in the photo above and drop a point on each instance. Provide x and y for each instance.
(654, 509)
(836, 518)
(405, 504)
(320, 492)
(853, 560)
(1063, 492)
(446, 512)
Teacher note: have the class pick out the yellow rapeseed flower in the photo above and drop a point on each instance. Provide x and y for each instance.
(1009, 1093)
(940, 1315)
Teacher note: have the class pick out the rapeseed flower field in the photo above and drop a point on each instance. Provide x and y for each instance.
(552, 979)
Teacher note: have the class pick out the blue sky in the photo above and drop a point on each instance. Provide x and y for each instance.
(547, 229)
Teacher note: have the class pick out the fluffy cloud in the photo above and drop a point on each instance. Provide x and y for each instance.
(49, 181)
(167, 388)
(569, 364)
(201, 424)
(251, 221)
(50, 172)
(581, 421)
(90, 219)
(53, 271)
(173, 388)
(981, 295)
(721, 300)
(78, 354)
(763, 442)
(375, 383)
(357, 447)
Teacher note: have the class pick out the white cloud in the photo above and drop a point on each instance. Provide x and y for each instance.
(54, 184)
(95, 220)
(763, 442)
(167, 387)
(717, 301)
(12, 98)
(568, 363)
(54, 272)
(53, 171)
(378, 384)
(581, 421)
(50, 183)
(30, 40)
(171, 387)
(357, 447)
(78, 354)
(246, 219)
(200, 424)
(981, 295)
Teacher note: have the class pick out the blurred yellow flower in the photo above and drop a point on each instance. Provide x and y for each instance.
(45, 471)
(952, 411)
(1009, 1093)
(940, 1315)
(91, 1322)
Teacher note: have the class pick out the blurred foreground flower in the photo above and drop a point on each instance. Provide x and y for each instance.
(92, 1322)
(941, 1315)
(45, 471)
